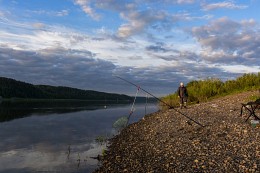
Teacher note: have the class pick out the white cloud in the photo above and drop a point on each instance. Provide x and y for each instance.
(248, 23)
(170, 1)
(185, 16)
(61, 13)
(185, 1)
(224, 4)
(139, 20)
(240, 69)
(85, 5)
(139, 16)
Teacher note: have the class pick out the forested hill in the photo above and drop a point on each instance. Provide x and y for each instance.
(10, 88)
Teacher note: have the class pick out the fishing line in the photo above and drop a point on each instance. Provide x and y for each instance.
(170, 107)
(132, 108)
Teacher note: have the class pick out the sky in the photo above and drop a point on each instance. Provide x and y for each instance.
(155, 44)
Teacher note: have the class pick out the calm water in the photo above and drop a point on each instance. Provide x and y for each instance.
(57, 137)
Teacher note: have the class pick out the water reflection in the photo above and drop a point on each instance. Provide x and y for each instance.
(10, 110)
(41, 143)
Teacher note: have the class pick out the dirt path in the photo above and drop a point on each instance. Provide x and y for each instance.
(165, 142)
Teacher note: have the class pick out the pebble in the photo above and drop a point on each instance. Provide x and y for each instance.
(164, 142)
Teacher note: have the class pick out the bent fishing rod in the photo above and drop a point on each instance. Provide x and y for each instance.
(170, 107)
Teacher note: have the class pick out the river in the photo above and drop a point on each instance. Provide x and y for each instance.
(58, 137)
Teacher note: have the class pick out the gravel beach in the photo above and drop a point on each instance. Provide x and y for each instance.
(165, 142)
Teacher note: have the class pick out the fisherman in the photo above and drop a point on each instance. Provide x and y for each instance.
(183, 95)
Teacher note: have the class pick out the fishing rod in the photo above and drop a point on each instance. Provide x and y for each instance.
(170, 107)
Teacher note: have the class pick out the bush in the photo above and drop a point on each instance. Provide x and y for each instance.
(202, 90)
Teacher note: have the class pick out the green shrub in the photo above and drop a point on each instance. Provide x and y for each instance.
(202, 90)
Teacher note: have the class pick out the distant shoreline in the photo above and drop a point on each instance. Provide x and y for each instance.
(34, 99)
(73, 100)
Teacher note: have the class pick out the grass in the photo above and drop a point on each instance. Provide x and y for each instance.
(211, 88)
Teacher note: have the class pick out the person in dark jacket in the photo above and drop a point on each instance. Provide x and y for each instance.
(183, 95)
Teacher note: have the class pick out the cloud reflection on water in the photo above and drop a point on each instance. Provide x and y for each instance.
(40, 143)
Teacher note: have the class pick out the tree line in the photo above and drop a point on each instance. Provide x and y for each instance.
(10, 88)
(202, 90)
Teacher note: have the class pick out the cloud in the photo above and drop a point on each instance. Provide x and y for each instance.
(185, 1)
(221, 5)
(38, 25)
(171, 1)
(225, 40)
(135, 58)
(115, 5)
(56, 66)
(217, 27)
(139, 20)
(85, 5)
(185, 16)
(61, 13)
(165, 79)
(139, 16)
(159, 47)
(240, 69)
(147, 46)
(36, 39)
(59, 66)
(1, 14)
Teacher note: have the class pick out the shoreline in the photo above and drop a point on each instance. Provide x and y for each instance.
(165, 142)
